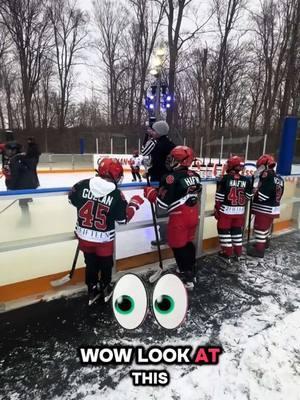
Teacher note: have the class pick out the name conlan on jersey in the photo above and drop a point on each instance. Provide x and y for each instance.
(87, 194)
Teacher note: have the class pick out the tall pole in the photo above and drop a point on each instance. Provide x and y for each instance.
(201, 146)
(265, 143)
(157, 100)
(222, 145)
(111, 145)
(97, 146)
(247, 148)
(126, 145)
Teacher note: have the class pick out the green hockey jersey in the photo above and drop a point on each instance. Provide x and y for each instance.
(99, 204)
(178, 188)
(268, 195)
(232, 192)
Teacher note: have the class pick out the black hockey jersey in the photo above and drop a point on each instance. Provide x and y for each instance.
(99, 204)
(232, 192)
(178, 188)
(158, 150)
(268, 195)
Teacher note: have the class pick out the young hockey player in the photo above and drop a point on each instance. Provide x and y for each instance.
(266, 203)
(178, 193)
(135, 164)
(99, 204)
(232, 191)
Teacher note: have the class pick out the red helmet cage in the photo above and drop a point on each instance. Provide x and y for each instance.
(267, 160)
(183, 155)
(235, 163)
(110, 168)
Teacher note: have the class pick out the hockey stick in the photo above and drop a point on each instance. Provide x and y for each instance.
(5, 208)
(249, 222)
(65, 279)
(158, 273)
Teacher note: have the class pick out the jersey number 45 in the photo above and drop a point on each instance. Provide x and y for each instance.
(91, 219)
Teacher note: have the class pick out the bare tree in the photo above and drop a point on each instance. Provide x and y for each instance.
(28, 25)
(175, 12)
(8, 77)
(4, 75)
(148, 16)
(292, 52)
(68, 23)
(273, 31)
(227, 12)
(111, 21)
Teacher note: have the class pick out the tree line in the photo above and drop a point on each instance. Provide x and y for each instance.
(234, 68)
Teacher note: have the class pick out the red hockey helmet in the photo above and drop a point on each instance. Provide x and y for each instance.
(110, 168)
(182, 156)
(267, 160)
(234, 163)
(135, 152)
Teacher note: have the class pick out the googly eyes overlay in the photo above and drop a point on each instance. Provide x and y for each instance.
(169, 301)
(129, 301)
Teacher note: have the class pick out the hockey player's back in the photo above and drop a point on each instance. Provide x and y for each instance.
(233, 190)
(266, 204)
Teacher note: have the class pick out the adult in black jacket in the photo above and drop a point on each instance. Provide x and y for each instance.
(158, 147)
(23, 168)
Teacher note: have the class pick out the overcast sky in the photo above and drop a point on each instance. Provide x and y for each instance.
(89, 76)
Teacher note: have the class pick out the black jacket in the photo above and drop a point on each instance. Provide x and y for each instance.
(23, 172)
(158, 150)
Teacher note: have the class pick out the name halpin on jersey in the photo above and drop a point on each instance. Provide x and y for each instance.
(179, 188)
(96, 216)
(232, 192)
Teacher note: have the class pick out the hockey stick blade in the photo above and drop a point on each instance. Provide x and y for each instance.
(108, 297)
(62, 281)
(153, 278)
(65, 279)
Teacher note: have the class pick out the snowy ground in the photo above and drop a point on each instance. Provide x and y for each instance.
(253, 313)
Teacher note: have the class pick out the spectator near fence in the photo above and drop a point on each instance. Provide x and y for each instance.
(158, 147)
(23, 167)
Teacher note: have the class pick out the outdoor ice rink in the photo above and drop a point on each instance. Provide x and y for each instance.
(253, 313)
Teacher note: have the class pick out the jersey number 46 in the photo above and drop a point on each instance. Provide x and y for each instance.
(237, 196)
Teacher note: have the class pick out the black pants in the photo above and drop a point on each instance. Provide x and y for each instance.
(185, 258)
(136, 173)
(96, 264)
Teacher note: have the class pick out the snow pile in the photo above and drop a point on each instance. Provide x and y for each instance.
(262, 365)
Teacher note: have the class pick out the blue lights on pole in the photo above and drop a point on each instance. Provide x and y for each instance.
(166, 98)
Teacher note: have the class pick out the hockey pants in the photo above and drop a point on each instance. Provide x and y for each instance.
(94, 265)
(135, 172)
(181, 230)
(230, 234)
(98, 257)
(262, 225)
